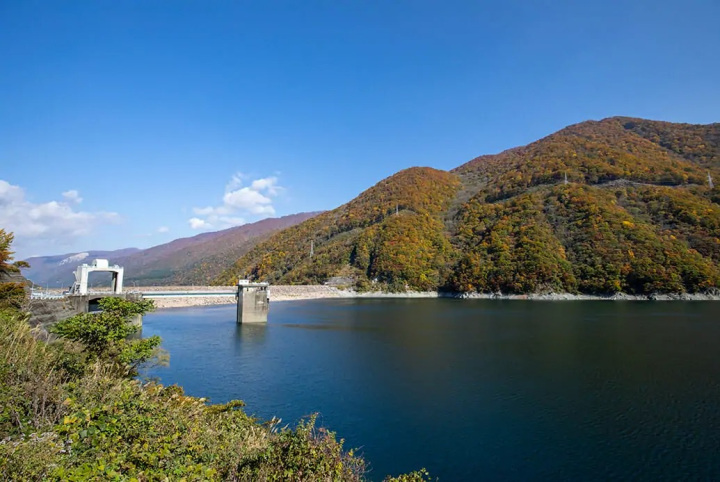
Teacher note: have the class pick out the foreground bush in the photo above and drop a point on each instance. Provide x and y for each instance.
(68, 413)
(104, 335)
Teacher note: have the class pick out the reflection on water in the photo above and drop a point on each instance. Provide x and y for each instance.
(250, 333)
(511, 390)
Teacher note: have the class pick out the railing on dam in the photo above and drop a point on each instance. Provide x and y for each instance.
(54, 295)
(184, 294)
(46, 295)
(252, 299)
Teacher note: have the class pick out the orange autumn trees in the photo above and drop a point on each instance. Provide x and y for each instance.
(510, 247)
(12, 289)
(392, 233)
(618, 205)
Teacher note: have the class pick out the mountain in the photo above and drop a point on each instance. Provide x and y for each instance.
(186, 261)
(56, 271)
(199, 259)
(359, 238)
(618, 205)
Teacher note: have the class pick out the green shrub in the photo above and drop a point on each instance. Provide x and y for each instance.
(104, 334)
(421, 475)
(31, 392)
(12, 295)
(68, 413)
(306, 453)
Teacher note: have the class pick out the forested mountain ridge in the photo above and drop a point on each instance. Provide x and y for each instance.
(597, 152)
(636, 214)
(199, 259)
(185, 261)
(393, 232)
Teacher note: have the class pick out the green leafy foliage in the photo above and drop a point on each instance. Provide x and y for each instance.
(306, 453)
(421, 475)
(96, 424)
(12, 295)
(104, 334)
(30, 384)
(117, 428)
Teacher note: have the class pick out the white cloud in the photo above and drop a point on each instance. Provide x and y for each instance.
(229, 221)
(268, 184)
(204, 211)
(72, 196)
(163, 229)
(248, 199)
(10, 194)
(255, 199)
(197, 223)
(236, 181)
(53, 222)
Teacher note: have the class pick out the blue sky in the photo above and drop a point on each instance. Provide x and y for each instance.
(159, 120)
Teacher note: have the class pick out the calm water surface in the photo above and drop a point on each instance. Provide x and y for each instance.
(506, 390)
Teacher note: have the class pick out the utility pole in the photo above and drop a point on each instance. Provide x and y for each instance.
(397, 211)
(710, 183)
(312, 248)
(566, 181)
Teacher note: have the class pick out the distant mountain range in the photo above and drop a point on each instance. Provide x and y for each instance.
(195, 260)
(56, 271)
(618, 205)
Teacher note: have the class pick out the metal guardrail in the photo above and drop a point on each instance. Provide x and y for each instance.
(185, 294)
(42, 295)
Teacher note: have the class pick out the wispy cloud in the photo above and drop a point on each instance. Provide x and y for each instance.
(56, 221)
(72, 196)
(163, 229)
(253, 199)
(197, 223)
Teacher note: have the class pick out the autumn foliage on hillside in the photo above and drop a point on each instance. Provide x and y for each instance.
(581, 238)
(392, 232)
(588, 153)
(697, 143)
(619, 205)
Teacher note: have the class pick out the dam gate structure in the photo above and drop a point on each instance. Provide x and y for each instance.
(47, 308)
(80, 286)
(253, 302)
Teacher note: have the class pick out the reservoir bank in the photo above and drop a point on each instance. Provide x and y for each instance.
(310, 292)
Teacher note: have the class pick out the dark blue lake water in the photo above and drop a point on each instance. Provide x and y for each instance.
(474, 389)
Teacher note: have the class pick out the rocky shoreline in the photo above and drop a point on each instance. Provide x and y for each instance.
(310, 292)
(576, 297)
(543, 296)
